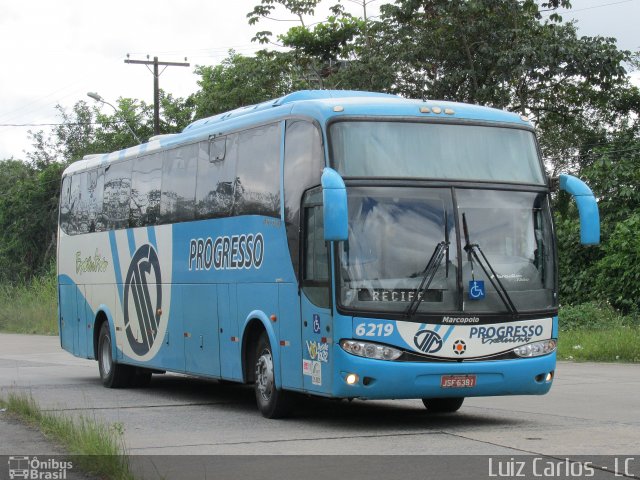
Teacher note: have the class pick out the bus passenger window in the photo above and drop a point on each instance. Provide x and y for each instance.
(303, 163)
(146, 178)
(74, 200)
(217, 178)
(95, 187)
(179, 166)
(257, 190)
(65, 204)
(117, 188)
(82, 211)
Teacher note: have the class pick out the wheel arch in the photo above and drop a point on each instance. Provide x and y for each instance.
(256, 323)
(103, 315)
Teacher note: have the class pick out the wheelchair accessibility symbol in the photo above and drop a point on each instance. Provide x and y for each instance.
(476, 290)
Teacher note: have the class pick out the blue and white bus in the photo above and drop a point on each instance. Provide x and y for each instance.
(334, 243)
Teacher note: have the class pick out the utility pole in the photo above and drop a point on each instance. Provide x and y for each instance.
(156, 83)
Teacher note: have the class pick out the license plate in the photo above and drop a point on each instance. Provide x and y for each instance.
(458, 381)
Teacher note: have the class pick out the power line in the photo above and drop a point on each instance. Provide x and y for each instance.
(58, 124)
(572, 10)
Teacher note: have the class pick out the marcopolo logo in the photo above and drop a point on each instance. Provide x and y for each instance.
(227, 253)
(427, 341)
(143, 293)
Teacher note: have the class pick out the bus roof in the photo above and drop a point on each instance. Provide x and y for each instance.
(321, 105)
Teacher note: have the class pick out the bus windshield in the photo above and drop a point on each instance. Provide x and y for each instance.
(438, 151)
(393, 233)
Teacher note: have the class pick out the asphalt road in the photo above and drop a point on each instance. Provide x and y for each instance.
(592, 409)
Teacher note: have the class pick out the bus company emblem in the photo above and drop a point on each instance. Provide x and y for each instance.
(459, 347)
(143, 291)
(427, 341)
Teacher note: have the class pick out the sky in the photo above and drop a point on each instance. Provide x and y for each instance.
(55, 52)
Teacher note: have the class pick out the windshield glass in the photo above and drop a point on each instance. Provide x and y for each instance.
(391, 239)
(513, 230)
(394, 233)
(438, 151)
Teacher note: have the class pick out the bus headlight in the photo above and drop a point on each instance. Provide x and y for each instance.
(535, 349)
(370, 350)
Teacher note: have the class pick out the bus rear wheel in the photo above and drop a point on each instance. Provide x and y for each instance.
(113, 375)
(443, 405)
(272, 402)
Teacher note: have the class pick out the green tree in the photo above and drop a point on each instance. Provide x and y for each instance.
(239, 81)
(611, 271)
(500, 53)
(28, 218)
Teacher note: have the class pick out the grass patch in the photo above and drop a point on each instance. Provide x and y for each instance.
(599, 333)
(609, 345)
(30, 307)
(95, 447)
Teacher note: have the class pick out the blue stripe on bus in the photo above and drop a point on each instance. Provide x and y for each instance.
(151, 232)
(116, 264)
(449, 332)
(132, 241)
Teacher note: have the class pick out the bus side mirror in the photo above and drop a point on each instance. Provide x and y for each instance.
(334, 200)
(587, 208)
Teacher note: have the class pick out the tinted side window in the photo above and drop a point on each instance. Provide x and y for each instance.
(146, 178)
(74, 201)
(95, 188)
(177, 203)
(258, 181)
(65, 204)
(303, 164)
(217, 178)
(117, 187)
(81, 210)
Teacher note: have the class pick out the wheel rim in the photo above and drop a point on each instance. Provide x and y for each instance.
(264, 375)
(105, 356)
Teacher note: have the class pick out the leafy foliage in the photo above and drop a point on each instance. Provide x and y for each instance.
(239, 81)
(612, 270)
(28, 218)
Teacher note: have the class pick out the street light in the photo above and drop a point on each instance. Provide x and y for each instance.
(98, 98)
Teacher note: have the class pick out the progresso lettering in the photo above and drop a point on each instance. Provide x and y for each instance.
(227, 253)
(510, 334)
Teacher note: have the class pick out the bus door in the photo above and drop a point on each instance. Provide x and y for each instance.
(80, 340)
(68, 316)
(315, 299)
(73, 334)
(201, 340)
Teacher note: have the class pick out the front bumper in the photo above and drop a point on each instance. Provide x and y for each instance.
(381, 379)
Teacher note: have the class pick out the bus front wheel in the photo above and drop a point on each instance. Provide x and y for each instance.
(113, 375)
(443, 405)
(272, 403)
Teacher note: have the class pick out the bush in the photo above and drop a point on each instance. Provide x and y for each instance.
(594, 316)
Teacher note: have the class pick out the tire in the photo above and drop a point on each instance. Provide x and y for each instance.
(443, 405)
(272, 403)
(113, 375)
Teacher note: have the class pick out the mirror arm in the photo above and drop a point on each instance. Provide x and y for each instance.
(587, 208)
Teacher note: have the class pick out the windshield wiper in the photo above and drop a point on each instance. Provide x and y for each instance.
(471, 249)
(427, 276)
